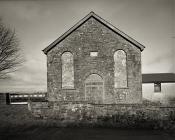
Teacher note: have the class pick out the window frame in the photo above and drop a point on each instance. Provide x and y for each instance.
(126, 87)
(94, 52)
(157, 87)
(62, 87)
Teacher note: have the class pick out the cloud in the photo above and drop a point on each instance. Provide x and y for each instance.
(31, 77)
(38, 23)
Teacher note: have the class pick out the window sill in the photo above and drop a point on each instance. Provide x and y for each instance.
(68, 88)
(123, 88)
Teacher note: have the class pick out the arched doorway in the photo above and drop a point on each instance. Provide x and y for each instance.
(94, 89)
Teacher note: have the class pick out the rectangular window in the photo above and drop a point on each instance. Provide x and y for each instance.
(93, 54)
(157, 87)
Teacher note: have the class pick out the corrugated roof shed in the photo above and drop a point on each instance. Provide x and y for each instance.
(158, 77)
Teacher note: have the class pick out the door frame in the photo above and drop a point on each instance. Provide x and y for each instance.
(103, 91)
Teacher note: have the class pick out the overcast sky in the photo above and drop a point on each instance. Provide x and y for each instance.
(39, 23)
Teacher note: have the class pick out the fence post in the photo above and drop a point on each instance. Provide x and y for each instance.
(8, 100)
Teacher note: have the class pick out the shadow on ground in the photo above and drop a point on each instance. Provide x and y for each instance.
(52, 133)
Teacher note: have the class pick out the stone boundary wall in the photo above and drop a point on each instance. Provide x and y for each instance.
(92, 113)
(2, 98)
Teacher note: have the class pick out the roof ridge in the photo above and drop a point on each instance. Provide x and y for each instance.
(101, 20)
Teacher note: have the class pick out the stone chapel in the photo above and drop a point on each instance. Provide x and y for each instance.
(96, 63)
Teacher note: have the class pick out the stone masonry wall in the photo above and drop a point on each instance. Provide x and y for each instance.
(111, 114)
(94, 36)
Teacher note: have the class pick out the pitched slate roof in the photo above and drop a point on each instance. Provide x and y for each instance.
(105, 23)
(158, 77)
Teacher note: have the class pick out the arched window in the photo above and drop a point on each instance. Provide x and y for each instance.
(120, 71)
(67, 70)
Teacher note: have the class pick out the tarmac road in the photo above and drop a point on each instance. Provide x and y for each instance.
(53, 133)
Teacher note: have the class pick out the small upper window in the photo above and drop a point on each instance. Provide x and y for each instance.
(157, 87)
(93, 54)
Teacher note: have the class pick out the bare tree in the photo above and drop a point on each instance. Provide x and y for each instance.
(10, 58)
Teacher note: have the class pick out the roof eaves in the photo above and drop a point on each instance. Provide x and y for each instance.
(116, 30)
(67, 32)
(158, 77)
